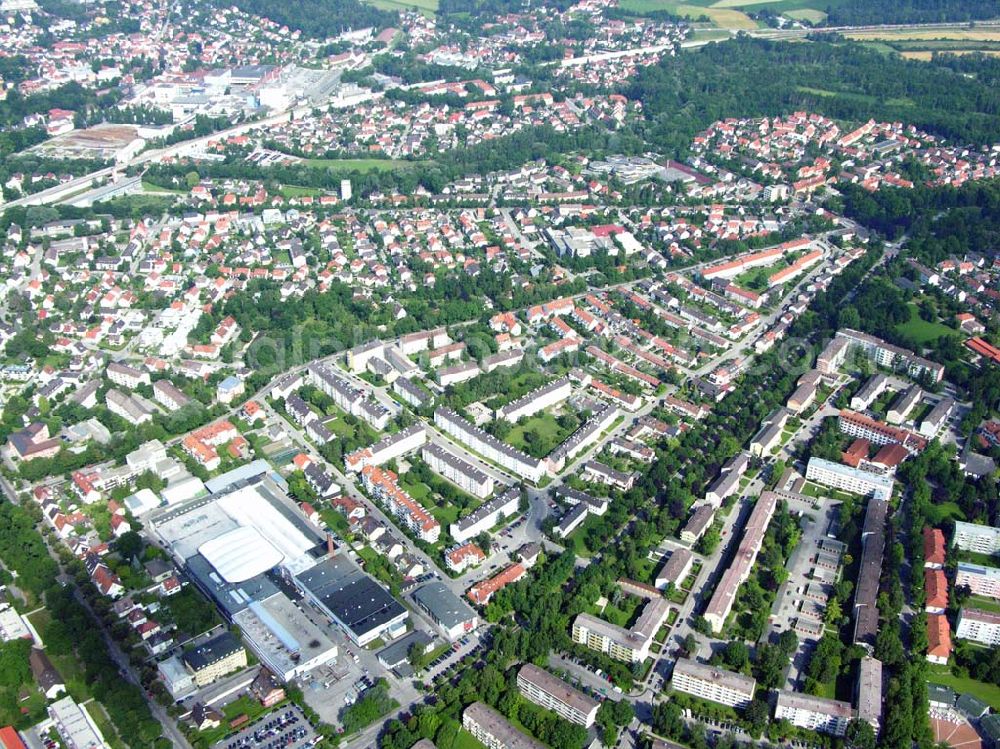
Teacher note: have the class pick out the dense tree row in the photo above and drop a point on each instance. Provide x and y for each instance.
(867, 12)
(318, 19)
(683, 95)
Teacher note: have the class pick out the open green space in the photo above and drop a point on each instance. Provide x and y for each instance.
(466, 740)
(537, 435)
(983, 604)
(68, 666)
(988, 693)
(620, 612)
(577, 540)
(294, 191)
(427, 7)
(443, 511)
(921, 331)
(938, 514)
(359, 165)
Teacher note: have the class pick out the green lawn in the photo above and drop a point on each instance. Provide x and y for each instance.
(445, 513)
(294, 191)
(983, 604)
(577, 539)
(466, 740)
(620, 614)
(948, 511)
(537, 436)
(360, 165)
(922, 332)
(427, 7)
(988, 693)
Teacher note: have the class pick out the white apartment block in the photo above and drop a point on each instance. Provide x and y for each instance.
(982, 539)
(388, 448)
(628, 645)
(414, 343)
(552, 693)
(168, 395)
(711, 683)
(528, 468)
(464, 475)
(979, 626)
(493, 730)
(486, 516)
(537, 400)
(853, 480)
(813, 713)
(982, 581)
(126, 376)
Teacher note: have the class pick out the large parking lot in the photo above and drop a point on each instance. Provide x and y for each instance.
(286, 728)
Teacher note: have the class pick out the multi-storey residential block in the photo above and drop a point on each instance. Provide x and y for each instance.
(169, 395)
(388, 448)
(486, 516)
(382, 485)
(878, 432)
(552, 693)
(459, 472)
(894, 357)
(528, 468)
(981, 580)
(494, 730)
(711, 683)
(869, 692)
(628, 645)
(537, 400)
(126, 376)
(698, 523)
(746, 554)
(981, 539)
(854, 480)
(979, 626)
(813, 713)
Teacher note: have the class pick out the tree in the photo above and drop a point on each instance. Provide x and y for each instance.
(129, 545)
(860, 735)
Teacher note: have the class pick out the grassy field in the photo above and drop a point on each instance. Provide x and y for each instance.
(732, 14)
(294, 191)
(926, 54)
(947, 511)
(988, 693)
(983, 604)
(359, 165)
(537, 436)
(466, 740)
(620, 614)
(921, 331)
(985, 34)
(445, 513)
(724, 18)
(427, 7)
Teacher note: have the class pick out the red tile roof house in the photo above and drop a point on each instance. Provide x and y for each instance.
(934, 548)
(938, 639)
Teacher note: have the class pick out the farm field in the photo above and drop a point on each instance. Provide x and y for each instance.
(726, 18)
(732, 14)
(926, 35)
(925, 55)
